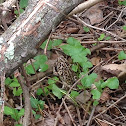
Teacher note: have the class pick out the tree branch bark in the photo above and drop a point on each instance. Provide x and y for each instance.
(19, 42)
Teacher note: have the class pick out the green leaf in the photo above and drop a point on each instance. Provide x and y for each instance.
(8, 81)
(98, 85)
(15, 115)
(43, 67)
(88, 80)
(37, 116)
(53, 80)
(8, 110)
(122, 2)
(39, 91)
(17, 13)
(21, 112)
(112, 83)
(34, 102)
(29, 69)
(18, 124)
(86, 65)
(96, 94)
(56, 91)
(56, 42)
(86, 29)
(122, 55)
(80, 86)
(124, 28)
(102, 36)
(49, 47)
(73, 42)
(41, 103)
(74, 67)
(75, 50)
(95, 103)
(40, 61)
(107, 38)
(23, 3)
(17, 92)
(74, 94)
(14, 84)
(33, 112)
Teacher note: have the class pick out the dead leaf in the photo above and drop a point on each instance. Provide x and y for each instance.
(95, 60)
(105, 95)
(72, 30)
(102, 123)
(94, 14)
(83, 97)
(118, 70)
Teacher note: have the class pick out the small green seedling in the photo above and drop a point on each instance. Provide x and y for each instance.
(124, 27)
(122, 2)
(51, 88)
(102, 36)
(39, 64)
(86, 29)
(22, 5)
(51, 44)
(14, 113)
(38, 105)
(122, 55)
(15, 85)
(112, 83)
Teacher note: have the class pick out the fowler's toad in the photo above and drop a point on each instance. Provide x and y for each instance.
(62, 69)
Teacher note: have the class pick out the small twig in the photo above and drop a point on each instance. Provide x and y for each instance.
(37, 82)
(34, 69)
(110, 42)
(101, 29)
(113, 49)
(79, 117)
(25, 76)
(2, 98)
(26, 101)
(91, 116)
(105, 122)
(18, 7)
(68, 112)
(117, 18)
(97, 47)
(110, 106)
(45, 50)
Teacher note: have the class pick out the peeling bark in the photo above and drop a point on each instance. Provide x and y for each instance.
(32, 27)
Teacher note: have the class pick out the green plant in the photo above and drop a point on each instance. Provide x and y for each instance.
(112, 83)
(124, 27)
(122, 2)
(51, 88)
(38, 64)
(77, 52)
(15, 85)
(38, 105)
(81, 64)
(52, 44)
(14, 113)
(122, 55)
(103, 37)
(22, 5)
(86, 29)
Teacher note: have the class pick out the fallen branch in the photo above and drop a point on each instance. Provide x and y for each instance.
(81, 7)
(30, 29)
